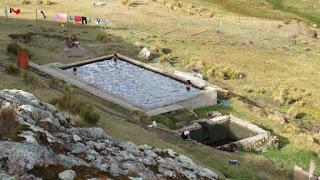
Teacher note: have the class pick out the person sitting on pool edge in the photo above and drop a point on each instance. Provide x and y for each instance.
(74, 71)
(188, 85)
(115, 57)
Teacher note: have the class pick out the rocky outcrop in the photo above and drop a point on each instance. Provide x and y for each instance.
(51, 147)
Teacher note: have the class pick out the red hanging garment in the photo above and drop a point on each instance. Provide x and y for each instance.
(77, 18)
(17, 12)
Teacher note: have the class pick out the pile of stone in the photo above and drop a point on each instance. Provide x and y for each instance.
(213, 114)
(50, 146)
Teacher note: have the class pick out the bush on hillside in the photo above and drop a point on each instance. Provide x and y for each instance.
(138, 116)
(12, 69)
(103, 37)
(44, 2)
(31, 79)
(74, 106)
(67, 87)
(54, 82)
(127, 2)
(225, 73)
(291, 95)
(26, 2)
(13, 48)
(168, 59)
(196, 64)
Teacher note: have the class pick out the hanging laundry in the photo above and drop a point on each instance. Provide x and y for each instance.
(98, 20)
(44, 16)
(5, 11)
(60, 16)
(84, 20)
(77, 19)
(71, 18)
(17, 11)
(89, 20)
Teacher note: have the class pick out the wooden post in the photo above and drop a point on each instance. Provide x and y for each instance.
(220, 28)
(36, 15)
(6, 9)
(68, 18)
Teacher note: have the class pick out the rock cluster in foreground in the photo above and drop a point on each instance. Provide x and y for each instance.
(49, 146)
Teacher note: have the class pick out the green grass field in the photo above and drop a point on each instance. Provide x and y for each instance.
(268, 40)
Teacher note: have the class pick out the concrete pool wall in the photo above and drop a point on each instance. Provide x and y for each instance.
(206, 97)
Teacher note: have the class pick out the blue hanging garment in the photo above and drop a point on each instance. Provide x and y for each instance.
(71, 18)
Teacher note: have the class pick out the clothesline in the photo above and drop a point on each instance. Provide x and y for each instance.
(75, 18)
(59, 16)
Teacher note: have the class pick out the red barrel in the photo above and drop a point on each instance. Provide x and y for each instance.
(22, 56)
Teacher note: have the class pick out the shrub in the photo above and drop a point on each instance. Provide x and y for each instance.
(164, 120)
(156, 47)
(46, 2)
(12, 70)
(89, 115)
(54, 82)
(25, 2)
(68, 87)
(103, 37)
(78, 120)
(316, 138)
(9, 127)
(169, 58)
(13, 48)
(196, 64)
(31, 79)
(138, 116)
(76, 107)
(225, 73)
(125, 2)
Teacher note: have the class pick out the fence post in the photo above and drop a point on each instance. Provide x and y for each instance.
(6, 10)
(68, 17)
(36, 15)
(220, 28)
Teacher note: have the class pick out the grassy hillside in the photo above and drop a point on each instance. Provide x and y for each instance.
(278, 56)
(275, 9)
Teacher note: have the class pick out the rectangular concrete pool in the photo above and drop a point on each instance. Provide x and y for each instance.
(145, 88)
